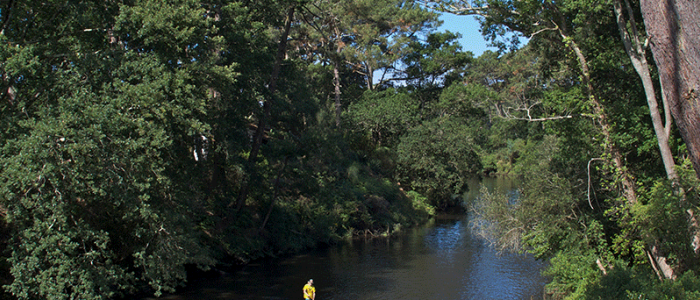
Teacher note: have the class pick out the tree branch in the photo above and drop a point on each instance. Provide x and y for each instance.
(543, 30)
(508, 115)
(458, 7)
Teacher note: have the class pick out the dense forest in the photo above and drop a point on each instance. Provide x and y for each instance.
(144, 139)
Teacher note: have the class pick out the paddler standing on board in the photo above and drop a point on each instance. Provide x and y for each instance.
(309, 290)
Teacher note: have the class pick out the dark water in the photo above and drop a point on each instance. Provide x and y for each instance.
(441, 260)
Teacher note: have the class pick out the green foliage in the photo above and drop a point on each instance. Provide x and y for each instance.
(634, 283)
(662, 218)
(361, 36)
(572, 273)
(385, 115)
(501, 161)
(437, 158)
(90, 174)
(545, 217)
(93, 177)
(595, 197)
(352, 196)
(438, 61)
(89, 159)
(5, 235)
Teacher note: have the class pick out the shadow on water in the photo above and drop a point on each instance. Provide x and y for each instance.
(441, 260)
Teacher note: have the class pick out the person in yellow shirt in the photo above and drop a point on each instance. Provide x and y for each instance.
(310, 290)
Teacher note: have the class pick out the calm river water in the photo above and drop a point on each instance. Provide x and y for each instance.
(441, 260)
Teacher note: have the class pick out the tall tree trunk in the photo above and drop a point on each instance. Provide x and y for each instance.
(336, 78)
(370, 76)
(674, 29)
(336, 86)
(637, 54)
(627, 180)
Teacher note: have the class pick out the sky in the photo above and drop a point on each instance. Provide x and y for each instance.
(468, 27)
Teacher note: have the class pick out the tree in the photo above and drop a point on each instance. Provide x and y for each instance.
(430, 65)
(437, 157)
(385, 116)
(97, 146)
(673, 30)
(361, 36)
(635, 47)
(437, 61)
(264, 117)
(636, 50)
(128, 128)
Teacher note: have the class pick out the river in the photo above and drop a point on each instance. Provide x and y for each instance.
(441, 260)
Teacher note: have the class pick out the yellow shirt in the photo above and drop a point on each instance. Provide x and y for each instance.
(309, 291)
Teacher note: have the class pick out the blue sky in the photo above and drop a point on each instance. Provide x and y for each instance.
(468, 27)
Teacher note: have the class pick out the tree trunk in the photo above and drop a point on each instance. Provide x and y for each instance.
(636, 52)
(628, 185)
(370, 77)
(336, 77)
(674, 29)
(336, 85)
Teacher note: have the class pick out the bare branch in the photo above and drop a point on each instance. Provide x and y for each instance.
(507, 114)
(635, 31)
(543, 30)
(541, 119)
(601, 267)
